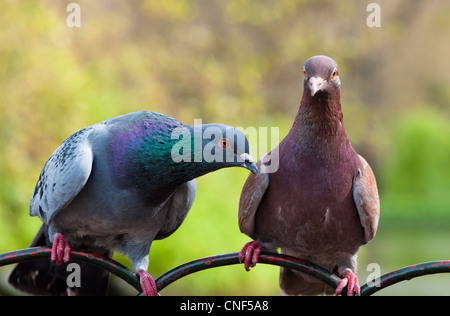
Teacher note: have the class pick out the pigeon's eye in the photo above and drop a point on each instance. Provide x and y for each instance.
(334, 74)
(224, 143)
(304, 72)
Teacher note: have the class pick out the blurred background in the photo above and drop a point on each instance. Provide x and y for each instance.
(237, 62)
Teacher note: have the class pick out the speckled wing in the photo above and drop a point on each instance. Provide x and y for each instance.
(365, 195)
(63, 176)
(252, 193)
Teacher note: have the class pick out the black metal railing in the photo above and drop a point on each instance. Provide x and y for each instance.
(180, 271)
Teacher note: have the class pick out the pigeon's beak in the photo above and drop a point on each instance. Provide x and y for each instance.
(315, 84)
(248, 163)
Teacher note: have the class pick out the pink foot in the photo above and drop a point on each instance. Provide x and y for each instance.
(250, 254)
(148, 285)
(351, 281)
(60, 249)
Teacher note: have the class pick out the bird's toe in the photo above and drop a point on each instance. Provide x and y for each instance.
(250, 254)
(148, 285)
(351, 281)
(60, 249)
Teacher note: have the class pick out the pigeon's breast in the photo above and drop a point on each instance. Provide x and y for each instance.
(309, 206)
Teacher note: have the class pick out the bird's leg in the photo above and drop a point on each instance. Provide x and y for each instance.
(60, 249)
(148, 285)
(250, 254)
(351, 280)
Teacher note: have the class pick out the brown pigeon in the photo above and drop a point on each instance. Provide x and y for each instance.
(321, 204)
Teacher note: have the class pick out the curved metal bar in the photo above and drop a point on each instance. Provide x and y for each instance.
(406, 273)
(178, 272)
(185, 269)
(110, 265)
(232, 258)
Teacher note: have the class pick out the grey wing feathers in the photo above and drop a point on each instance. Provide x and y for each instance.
(365, 195)
(253, 191)
(63, 176)
(181, 203)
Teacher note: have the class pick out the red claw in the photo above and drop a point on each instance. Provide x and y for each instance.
(148, 285)
(250, 254)
(351, 281)
(60, 249)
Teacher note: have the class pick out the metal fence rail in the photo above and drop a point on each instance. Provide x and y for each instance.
(180, 271)
(110, 265)
(407, 273)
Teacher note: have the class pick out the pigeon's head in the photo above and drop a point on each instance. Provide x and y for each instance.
(321, 75)
(226, 146)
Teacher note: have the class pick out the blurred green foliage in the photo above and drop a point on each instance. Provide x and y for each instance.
(417, 177)
(236, 62)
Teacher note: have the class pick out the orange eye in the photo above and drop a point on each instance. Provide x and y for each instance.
(334, 74)
(304, 72)
(224, 143)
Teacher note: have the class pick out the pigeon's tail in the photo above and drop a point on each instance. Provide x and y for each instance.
(44, 277)
(297, 283)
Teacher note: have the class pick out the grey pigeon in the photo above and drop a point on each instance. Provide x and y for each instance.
(120, 185)
(322, 203)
